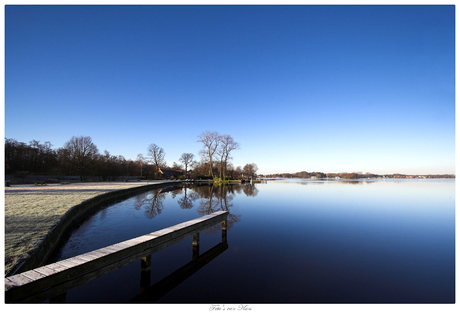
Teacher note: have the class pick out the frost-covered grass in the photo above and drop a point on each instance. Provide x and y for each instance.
(31, 211)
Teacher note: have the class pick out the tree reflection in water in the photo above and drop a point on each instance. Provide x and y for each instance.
(250, 190)
(215, 198)
(187, 200)
(153, 201)
(212, 198)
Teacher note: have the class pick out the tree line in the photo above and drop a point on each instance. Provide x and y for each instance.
(353, 175)
(80, 157)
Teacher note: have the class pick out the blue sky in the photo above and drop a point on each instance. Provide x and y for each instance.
(301, 88)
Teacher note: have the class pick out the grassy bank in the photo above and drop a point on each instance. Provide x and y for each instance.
(32, 211)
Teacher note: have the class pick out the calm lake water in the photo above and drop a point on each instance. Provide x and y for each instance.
(289, 241)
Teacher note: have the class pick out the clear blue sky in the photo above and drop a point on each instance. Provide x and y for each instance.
(301, 88)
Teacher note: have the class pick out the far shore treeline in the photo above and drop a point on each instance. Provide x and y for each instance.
(353, 175)
(80, 157)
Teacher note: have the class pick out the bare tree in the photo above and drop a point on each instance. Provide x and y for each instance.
(81, 152)
(250, 170)
(140, 160)
(226, 145)
(210, 142)
(186, 159)
(156, 156)
(34, 157)
(238, 172)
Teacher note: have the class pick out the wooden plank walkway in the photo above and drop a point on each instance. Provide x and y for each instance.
(55, 279)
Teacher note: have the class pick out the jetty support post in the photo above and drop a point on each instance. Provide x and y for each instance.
(146, 264)
(196, 246)
(224, 231)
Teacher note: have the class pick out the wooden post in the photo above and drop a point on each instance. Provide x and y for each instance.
(146, 264)
(224, 231)
(196, 246)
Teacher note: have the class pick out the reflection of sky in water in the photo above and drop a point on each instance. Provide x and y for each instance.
(398, 233)
(307, 241)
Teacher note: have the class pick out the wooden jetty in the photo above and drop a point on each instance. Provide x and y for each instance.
(52, 281)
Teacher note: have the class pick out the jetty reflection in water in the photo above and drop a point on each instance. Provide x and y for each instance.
(151, 294)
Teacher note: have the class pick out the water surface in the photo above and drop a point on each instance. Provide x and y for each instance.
(289, 241)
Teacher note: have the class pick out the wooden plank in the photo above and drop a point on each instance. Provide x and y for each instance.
(123, 245)
(76, 260)
(109, 249)
(96, 263)
(45, 270)
(164, 233)
(34, 275)
(19, 279)
(55, 267)
(87, 257)
(10, 284)
(140, 239)
(67, 263)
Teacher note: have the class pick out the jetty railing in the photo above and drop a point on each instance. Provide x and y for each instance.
(52, 281)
